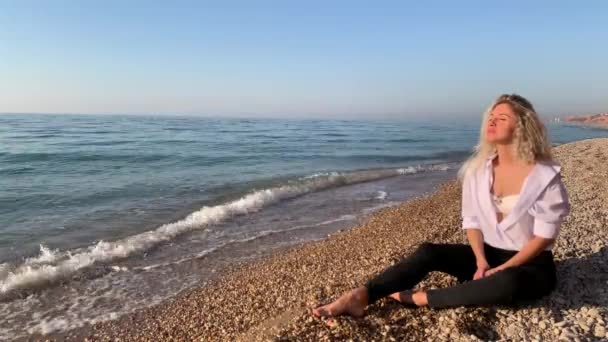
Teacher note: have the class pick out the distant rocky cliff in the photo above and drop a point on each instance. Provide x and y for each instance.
(594, 118)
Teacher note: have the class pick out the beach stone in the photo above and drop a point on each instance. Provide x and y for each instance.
(568, 333)
(560, 324)
(593, 312)
(599, 331)
(511, 332)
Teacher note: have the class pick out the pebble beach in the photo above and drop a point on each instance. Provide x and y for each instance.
(270, 299)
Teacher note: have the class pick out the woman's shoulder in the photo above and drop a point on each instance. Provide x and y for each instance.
(547, 181)
(547, 172)
(550, 165)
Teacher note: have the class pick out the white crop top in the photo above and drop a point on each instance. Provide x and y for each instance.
(505, 204)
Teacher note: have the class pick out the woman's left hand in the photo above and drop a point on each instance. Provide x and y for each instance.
(494, 270)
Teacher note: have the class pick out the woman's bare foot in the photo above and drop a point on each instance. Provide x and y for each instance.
(351, 303)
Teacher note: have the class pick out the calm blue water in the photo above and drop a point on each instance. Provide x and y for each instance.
(99, 202)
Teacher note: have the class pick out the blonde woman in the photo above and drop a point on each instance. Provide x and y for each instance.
(513, 203)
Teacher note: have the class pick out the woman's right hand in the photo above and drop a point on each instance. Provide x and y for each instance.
(482, 267)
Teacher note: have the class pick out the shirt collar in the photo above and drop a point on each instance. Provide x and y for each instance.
(490, 158)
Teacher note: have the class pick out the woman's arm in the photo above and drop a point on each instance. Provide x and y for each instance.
(533, 248)
(470, 223)
(475, 237)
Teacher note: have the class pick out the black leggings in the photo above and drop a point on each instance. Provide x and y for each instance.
(530, 281)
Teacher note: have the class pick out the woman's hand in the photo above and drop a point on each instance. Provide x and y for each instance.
(494, 270)
(482, 269)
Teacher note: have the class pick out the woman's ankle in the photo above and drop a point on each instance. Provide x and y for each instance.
(362, 295)
(419, 298)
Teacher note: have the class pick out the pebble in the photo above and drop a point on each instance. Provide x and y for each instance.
(599, 331)
(593, 313)
(584, 326)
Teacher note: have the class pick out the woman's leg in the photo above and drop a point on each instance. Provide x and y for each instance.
(455, 259)
(501, 288)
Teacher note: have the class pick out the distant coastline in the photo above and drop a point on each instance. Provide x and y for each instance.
(592, 120)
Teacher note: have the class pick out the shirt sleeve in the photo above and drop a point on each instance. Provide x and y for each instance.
(550, 209)
(469, 218)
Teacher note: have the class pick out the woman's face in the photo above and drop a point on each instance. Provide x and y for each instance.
(501, 124)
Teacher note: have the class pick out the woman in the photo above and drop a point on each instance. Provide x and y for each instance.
(513, 203)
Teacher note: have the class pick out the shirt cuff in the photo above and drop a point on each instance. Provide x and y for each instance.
(547, 230)
(470, 222)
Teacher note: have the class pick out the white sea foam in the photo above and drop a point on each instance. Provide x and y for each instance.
(341, 218)
(119, 268)
(381, 195)
(46, 256)
(53, 265)
(380, 206)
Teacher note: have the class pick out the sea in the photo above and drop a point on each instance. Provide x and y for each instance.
(102, 215)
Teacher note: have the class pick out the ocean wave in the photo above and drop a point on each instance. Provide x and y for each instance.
(84, 157)
(79, 157)
(54, 265)
(333, 134)
(375, 140)
(399, 158)
(261, 234)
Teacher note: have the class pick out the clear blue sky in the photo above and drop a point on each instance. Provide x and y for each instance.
(342, 59)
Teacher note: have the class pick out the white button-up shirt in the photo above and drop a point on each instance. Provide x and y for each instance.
(540, 209)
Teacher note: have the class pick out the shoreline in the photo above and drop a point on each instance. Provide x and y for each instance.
(270, 297)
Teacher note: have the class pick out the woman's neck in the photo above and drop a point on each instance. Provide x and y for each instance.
(506, 156)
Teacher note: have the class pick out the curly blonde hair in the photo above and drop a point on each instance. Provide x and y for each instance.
(530, 135)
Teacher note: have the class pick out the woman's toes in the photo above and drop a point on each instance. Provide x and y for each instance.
(321, 311)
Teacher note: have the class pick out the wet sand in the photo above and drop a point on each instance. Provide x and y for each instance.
(271, 298)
